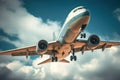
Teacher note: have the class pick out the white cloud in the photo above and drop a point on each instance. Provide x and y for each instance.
(78, 77)
(31, 72)
(117, 13)
(15, 65)
(60, 69)
(92, 65)
(16, 21)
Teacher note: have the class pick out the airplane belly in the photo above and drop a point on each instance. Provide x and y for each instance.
(75, 28)
(63, 51)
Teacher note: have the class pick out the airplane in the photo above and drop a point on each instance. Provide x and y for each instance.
(67, 42)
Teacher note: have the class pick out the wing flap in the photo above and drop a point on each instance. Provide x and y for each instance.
(24, 53)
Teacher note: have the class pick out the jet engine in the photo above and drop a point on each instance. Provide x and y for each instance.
(42, 45)
(93, 40)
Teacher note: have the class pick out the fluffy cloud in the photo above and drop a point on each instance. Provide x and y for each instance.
(16, 21)
(117, 13)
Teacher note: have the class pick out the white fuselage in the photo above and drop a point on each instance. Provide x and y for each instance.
(76, 22)
(72, 26)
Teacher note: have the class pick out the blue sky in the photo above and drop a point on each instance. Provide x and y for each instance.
(102, 21)
(25, 22)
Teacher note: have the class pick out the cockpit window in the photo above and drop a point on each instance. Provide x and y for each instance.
(78, 9)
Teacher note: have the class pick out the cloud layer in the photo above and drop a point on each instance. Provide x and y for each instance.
(17, 22)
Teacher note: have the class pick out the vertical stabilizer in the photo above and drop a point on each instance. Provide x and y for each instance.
(54, 37)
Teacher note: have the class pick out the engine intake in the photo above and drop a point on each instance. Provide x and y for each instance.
(93, 40)
(42, 45)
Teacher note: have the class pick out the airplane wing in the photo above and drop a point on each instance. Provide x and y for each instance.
(29, 51)
(83, 46)
(21, 52)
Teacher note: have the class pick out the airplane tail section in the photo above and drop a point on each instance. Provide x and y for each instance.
(64, 61)
(54, 37)
(46, 61)
(49, 60)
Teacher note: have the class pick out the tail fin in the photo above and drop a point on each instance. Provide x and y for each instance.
(54, 37)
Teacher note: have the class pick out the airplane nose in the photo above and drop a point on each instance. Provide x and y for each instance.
(86, 10)
(86, 13)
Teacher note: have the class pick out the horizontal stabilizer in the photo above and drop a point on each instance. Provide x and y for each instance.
(64, 61)
(49, 60)
(46, 61)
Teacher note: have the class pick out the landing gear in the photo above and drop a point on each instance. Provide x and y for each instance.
(83, 35)
(54, 58)
(73, 57)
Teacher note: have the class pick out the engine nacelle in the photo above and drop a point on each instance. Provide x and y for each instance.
(42, 45)
(93, 40)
